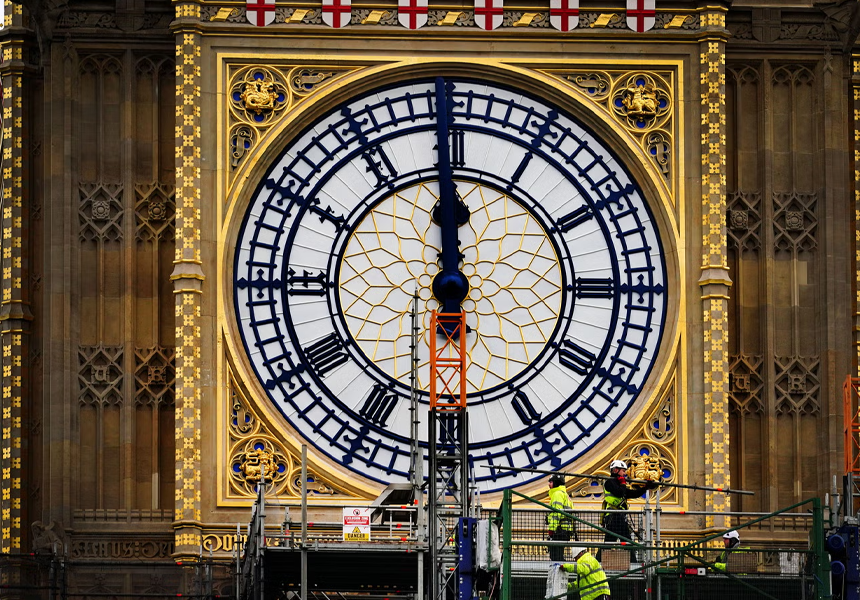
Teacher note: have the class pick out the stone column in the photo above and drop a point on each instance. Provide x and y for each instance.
(855, 85)
(714, 281)
(14, 307)
(188, 280)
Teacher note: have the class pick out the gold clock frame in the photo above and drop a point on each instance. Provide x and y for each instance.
(556, 81)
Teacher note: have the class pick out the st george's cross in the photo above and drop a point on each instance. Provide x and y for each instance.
(564, 14)
(260, 12)
(640, 14)
(336, 13)
(489, 13)
(412, 14)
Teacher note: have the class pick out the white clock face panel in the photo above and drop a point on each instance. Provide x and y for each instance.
(561, 264)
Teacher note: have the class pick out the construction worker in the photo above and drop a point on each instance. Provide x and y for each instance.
(731, 543)
(561, 528)
(616, 492)
(590, 578)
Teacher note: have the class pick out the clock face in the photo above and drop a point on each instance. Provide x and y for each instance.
(560, 259)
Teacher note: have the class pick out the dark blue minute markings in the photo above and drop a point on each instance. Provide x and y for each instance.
(544, 131)
(611, 195)
(259, 283)
(617, 377)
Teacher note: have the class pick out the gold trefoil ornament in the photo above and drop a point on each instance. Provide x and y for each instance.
(259, 96)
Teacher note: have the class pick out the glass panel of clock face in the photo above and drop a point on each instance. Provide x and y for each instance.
(566, 298)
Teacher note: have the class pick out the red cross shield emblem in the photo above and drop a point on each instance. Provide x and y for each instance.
(336, 13)
(564, 14)
(412, 14)
(489, 13)
(640, 15)
(260, 12)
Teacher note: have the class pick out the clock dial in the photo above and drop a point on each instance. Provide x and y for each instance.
(511, 264)
(562, 270)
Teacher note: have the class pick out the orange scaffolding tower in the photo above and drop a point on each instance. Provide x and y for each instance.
(851, 408)
(850, 396)
(448, 437)
(448, 361)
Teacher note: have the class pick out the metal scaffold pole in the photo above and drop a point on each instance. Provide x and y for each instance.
(416, 463)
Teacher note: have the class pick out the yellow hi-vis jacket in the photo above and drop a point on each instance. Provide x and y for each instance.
(559, 500)
(590, 578)
(720, 564)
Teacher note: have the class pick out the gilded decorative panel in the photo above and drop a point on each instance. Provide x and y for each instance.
(259, 96)
(654, 447)
(253, 452)
(640, 102)
(258, 100)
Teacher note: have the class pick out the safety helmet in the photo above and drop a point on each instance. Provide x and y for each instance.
(617, 464)
(556, 479)
(577, 550)
(731, 535)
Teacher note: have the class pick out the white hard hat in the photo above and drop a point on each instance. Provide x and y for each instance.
(731, 535)
(618, 464)
(577, 550)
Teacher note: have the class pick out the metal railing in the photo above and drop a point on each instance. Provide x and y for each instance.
(648, 566)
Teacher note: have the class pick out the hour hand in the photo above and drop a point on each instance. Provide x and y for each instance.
(450, 286)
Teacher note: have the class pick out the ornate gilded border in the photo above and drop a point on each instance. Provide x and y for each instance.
(642, 102)
(715, 281)
(619, 121)
(188, 281)
(14, 309)
(258, 96)
(655, 446)
(253, 451)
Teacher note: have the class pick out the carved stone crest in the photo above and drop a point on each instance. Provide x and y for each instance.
(646, 466)
(640, 101)
(256, 463)
(259, 95)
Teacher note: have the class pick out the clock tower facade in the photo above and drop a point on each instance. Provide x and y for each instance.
(213, 233)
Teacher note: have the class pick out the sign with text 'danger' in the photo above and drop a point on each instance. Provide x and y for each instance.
(356, 524)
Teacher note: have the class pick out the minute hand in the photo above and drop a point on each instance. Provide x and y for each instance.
(450, 286)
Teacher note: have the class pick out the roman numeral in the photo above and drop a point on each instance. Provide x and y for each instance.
(379, 405)
(326, 354)
(311, 285)
(524, 408)
(325, 214)
(594, 288)
(524, 163)
(382, 169)
(574, 219)
(458, 147)
(576, 358)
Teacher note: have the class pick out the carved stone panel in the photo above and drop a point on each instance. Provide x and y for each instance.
(797, 385)
(100, 374)
(795, 222)
(155, 375)
(743, 221)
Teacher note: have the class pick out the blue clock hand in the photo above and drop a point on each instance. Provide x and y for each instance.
(450, 286)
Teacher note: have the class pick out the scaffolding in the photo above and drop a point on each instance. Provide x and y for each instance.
(448, 441)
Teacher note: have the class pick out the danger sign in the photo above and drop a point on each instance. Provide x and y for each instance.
(356, 524)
